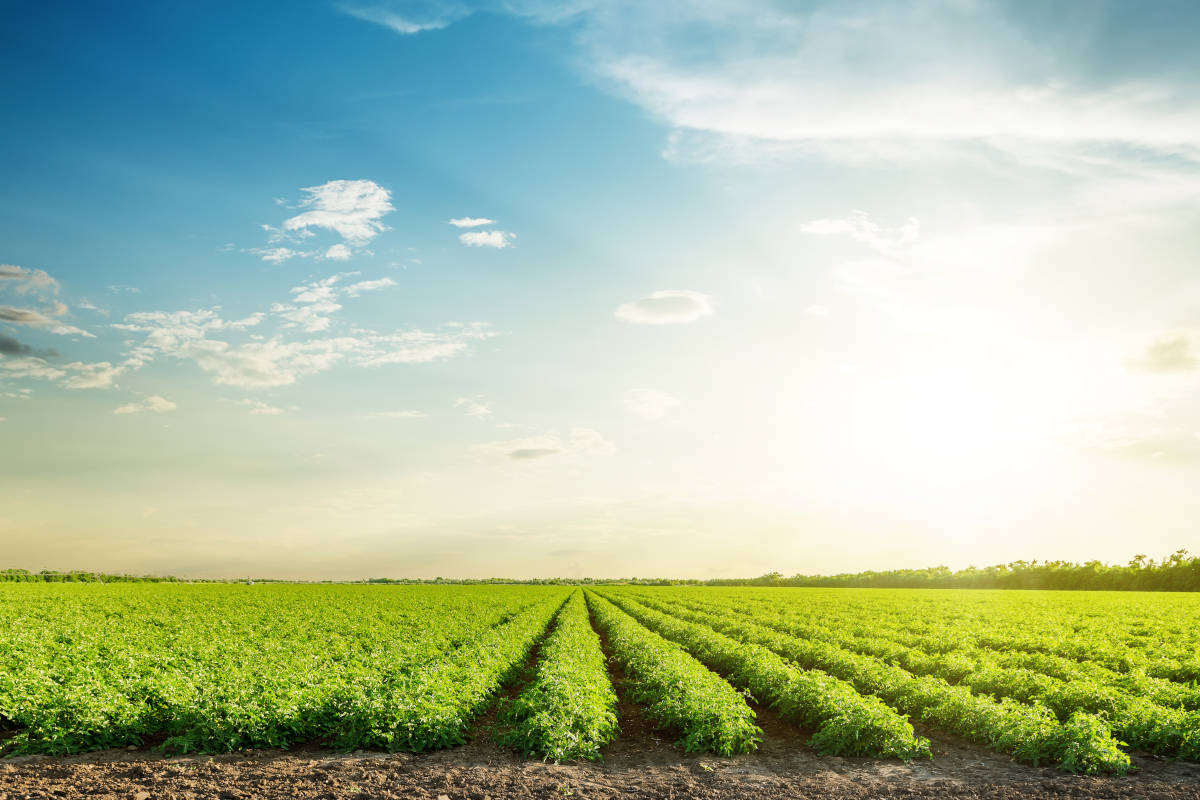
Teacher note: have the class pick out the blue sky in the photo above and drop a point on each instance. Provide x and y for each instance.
(530, 288)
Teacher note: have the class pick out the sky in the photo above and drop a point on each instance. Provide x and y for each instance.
(597, 288)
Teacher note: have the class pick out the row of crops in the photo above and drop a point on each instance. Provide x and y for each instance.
(1074, 679)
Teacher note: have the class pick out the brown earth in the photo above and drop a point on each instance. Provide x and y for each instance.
(641, 764)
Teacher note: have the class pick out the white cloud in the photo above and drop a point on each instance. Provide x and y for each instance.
(350, 208)
(309, 318)
(99, 375)
(276, 361)
(30, 368)
(76, 375)
(339, 252)
(277, 255)
(317, 292)
(473, 407)
(859, 227)
(471, 222)
(816, 311)
(316, 303)
(667, 306)
(496, 239)
(247, 322)
(264, 364)
(355, 289)
(418, 347)
(155, 403)
(84, 303)
(1177, 351)
(24, 280)
(408, 18)
(888, 80)
(648, 403)
(259, 408)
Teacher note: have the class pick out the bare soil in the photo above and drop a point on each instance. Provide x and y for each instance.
(642, 763)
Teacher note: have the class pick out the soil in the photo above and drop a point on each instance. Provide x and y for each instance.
(642, 763)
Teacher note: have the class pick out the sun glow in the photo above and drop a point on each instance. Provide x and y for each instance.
(945, 437)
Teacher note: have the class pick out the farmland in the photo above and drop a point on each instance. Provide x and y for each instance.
(1076, 681)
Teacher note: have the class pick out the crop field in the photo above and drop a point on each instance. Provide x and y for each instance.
(1076, 680)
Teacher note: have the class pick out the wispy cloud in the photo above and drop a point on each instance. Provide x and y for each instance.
(100, 375)
(648, 403)
(666, 307)
(471, 222)
(259, 408)
(408, 18)
(1171, 352)
(885, 80)
(355, 289)
(277, 255)
(279, 360)
(578, 442)
(858, 226)
(313, 303)
(154, 403)
(30, 368)
(24, 280)
(36, 319)
(473, 407)
(496, 239)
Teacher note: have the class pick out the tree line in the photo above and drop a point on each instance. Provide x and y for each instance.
(1178, 572)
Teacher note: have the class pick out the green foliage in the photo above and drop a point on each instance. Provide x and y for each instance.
(1175, 573)
(1050, 677)
(221, 667)
(848, 723)
(1137, 720)
(569, 709)
(1030, 732)
(679, 693)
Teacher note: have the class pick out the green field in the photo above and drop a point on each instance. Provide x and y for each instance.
(1075, 679)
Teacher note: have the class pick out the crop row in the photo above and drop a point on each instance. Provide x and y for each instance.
(1031, 733)
(569, 709)
(434, 706)
(847, 722)
(678, 692)
(966, 651)
(1143, 639)
(1136, 720)
(216, 668)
